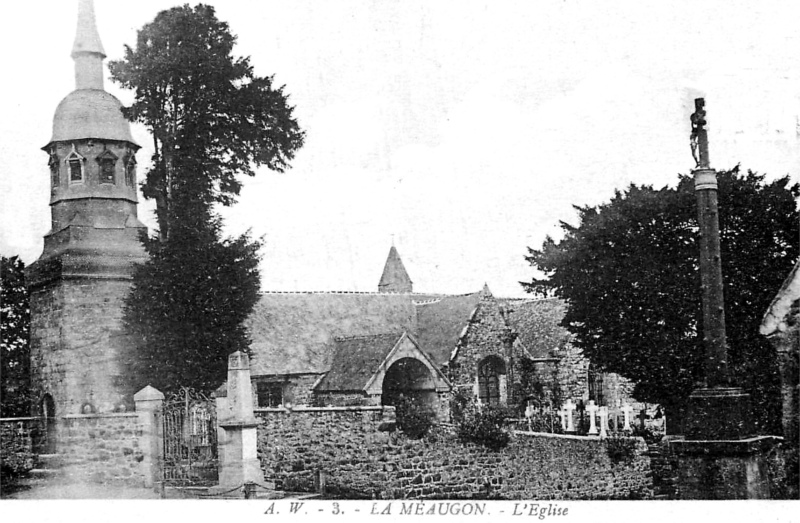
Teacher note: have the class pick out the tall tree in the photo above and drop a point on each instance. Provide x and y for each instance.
(15, 321)
(212, 121)
(211, 118)
(630, 275)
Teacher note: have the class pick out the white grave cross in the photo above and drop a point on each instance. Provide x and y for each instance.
(529, 416)
(626, 411)
(592, 409)
(569, 407)
(603, 422)
(563, 413)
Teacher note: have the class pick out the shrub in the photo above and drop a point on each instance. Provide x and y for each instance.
(459, 405)
(649, 435)
(484, 427)
(621, 450)
(413, 419)
(15, 463)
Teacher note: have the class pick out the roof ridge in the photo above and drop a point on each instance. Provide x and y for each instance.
(374, 293)
(367, 336)
(531, 299)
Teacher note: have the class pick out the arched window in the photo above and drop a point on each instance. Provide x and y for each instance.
(54, 174)
(596, 385)
(130, 171)
(75, 163)
(489, 371)
(45, 443)
(107, 161)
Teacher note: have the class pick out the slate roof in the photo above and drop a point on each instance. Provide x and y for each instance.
(441, 323)
(538, 324)
(355, 360)
(294, 332)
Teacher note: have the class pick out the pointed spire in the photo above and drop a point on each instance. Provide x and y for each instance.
(87, 39)
(485, 292)
(87, 50)
(394, 278)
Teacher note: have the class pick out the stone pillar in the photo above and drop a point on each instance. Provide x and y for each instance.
(723, 469)
(238, 460)
(149, 404)
(720, 457)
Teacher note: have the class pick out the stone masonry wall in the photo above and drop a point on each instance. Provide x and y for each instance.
(483, 339)
(572, 374)
(16, 444)
(361, 461)
(76, 345)
(102, 448)
(344, 399)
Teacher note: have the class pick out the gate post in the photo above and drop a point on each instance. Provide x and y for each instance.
(238, 459)
(149, 404)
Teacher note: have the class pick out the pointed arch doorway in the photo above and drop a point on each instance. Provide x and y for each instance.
(408, 379)
(47, 437)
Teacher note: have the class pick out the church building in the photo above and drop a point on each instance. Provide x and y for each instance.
(308, 348)
(362, 348)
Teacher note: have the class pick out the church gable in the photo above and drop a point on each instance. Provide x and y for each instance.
(406, 348)
(484, 347)
(784, 311)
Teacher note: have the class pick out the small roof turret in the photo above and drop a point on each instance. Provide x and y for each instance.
(394, 278)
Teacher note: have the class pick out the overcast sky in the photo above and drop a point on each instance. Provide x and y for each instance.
(466, 130)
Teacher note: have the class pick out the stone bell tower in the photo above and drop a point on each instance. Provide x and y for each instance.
(78, 284)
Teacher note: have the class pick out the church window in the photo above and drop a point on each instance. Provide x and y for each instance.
(130, 171)
(489, 371)
(75, 171)
(596, 385)
(75, 164)
(107, 162)
(54, 174)
(270, 393)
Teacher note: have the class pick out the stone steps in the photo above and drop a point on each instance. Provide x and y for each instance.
(49, 466)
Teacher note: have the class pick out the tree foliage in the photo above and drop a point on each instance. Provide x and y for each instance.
(212, 121)
(15, 321)
(630, 275)
(187, 308)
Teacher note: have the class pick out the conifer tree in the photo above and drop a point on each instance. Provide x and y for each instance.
(213, 120)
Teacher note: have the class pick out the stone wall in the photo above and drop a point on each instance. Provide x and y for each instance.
(16, 445)
(484, 338)
(77, 347)
(344, 399)
(572, 374)
(102, 448)
(359, 458)
(297, 389)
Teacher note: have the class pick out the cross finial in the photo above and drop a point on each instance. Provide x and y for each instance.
(699, 136)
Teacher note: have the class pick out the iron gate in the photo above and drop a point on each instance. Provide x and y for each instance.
(190, 439)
